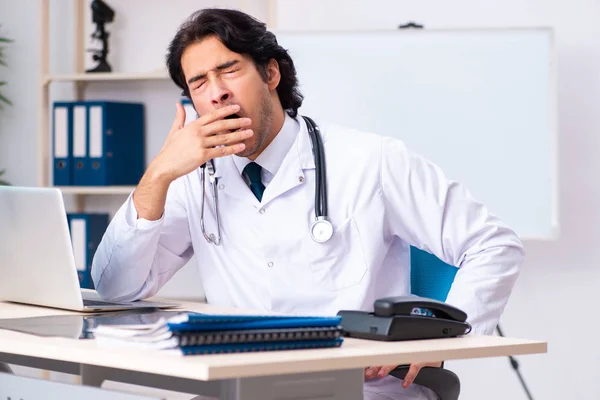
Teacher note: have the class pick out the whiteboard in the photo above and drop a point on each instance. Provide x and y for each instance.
(479, 103)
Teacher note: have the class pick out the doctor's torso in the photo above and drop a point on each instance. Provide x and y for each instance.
(267, 259)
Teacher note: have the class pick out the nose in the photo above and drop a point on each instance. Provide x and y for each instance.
(220, 95)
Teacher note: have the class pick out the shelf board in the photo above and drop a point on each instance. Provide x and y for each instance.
(106, 77)
(106, 190)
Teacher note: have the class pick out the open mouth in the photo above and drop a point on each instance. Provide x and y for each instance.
(233, 116)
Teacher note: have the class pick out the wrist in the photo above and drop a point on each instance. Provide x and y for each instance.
(150, 196)
(158, 177)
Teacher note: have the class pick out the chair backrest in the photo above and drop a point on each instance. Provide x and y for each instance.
(430, 277)
(444, 383)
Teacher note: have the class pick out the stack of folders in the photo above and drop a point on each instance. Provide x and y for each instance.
(193, 333)
(98, 143)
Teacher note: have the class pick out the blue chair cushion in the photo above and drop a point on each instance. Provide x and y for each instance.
(430, 276)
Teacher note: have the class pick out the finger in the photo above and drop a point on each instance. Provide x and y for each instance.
(384, 371)
(225, 125)
(228, 138)
(217, 114)
(371, 372)
(179, 118)
(224, 151)
(411, 375)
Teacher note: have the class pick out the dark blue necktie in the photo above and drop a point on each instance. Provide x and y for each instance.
(253, 172)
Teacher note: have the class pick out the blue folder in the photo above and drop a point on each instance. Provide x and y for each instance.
(80, 138)
(259, 347)
(86, 233)
(62, 145)
(116, 144)
(203, 322)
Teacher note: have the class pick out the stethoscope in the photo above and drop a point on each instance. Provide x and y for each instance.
(321, 229)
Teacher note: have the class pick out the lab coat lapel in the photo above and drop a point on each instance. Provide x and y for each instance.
(291, 172)
(231, 183)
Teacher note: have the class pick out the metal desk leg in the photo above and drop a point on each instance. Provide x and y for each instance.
(92, 375)
(5, 368)
(331, 385)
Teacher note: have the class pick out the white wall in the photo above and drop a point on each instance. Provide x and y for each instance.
(18, 123)
(555, 297)
(536, 310)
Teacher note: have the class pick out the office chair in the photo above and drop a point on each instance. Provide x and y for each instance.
(431, 277)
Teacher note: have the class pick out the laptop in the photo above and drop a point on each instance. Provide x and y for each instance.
(37, 263)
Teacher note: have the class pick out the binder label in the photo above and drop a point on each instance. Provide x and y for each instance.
(79, 134)
(96, 129)
(61, 137)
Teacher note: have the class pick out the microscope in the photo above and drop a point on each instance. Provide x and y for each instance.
(101, 14)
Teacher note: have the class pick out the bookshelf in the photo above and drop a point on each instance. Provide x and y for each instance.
(105, 77)
(80, 79)
(103, 190)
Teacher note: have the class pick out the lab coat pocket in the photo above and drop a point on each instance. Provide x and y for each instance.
(338, 263)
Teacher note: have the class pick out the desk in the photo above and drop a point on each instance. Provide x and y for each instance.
(310, 374)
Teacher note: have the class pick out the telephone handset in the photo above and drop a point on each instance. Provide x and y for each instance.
(406, 305)
(405, 318)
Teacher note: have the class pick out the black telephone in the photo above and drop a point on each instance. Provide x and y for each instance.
(405, 318)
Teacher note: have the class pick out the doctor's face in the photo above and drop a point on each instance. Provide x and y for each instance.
(217, 77)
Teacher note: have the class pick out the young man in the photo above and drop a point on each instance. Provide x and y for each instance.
(382, 199)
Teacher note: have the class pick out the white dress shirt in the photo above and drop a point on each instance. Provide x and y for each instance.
(382, 198)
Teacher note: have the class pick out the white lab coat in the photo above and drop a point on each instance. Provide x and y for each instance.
(382, 199)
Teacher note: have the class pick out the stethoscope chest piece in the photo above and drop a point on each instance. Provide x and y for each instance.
(321, 230)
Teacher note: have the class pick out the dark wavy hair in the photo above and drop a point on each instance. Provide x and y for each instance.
(242, 34)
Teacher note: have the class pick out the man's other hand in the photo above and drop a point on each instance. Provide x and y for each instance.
(413, 371)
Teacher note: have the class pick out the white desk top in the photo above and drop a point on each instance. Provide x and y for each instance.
(354, 353)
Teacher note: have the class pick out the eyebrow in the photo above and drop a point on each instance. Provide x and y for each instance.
(220, 67)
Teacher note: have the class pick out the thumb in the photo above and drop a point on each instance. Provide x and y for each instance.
(179, 118)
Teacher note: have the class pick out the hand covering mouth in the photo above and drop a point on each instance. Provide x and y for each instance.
(233, 116)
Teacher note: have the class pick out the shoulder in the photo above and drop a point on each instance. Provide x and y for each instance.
(338, 138)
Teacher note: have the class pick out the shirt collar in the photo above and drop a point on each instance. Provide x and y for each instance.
(272, 157)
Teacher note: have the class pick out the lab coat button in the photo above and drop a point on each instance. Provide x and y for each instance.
(270, 264)
(262, 211)
(300, 179)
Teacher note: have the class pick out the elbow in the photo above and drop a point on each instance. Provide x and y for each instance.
(510, 246)
(512, 253)
(518, 253)
(116, 283)
(115, 292)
